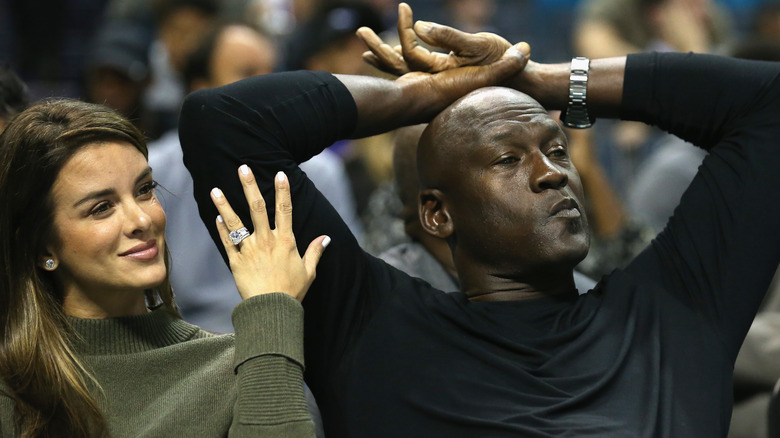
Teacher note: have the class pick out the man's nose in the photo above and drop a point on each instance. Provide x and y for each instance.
(547, 175)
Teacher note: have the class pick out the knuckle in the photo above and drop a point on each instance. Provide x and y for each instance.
(287, 241)
(248, 180)
(233, 222)
(257, 205)
(284, 207)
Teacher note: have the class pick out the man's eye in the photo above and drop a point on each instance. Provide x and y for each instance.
(559, 152)
(507, 160)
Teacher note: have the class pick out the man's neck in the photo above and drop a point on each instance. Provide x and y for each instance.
(486, 285)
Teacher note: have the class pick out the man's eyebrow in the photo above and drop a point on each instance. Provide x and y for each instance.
(101, 193)
(501, 135)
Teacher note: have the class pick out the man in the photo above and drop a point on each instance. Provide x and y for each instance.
(648, 352)
(426, 256)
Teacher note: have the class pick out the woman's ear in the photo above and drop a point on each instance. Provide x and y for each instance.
(434, 217)
(48, 260)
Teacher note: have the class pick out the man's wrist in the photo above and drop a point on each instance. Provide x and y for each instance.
(575, 115)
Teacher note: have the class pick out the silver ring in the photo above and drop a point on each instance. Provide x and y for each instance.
(237, 236)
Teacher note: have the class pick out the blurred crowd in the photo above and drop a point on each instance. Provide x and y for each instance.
(141, 57)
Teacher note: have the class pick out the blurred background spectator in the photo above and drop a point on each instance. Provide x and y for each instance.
(13, 96)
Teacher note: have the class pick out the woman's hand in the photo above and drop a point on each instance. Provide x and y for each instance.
(267, 260)
(465, 48)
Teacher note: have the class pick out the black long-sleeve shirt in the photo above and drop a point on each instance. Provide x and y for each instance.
(648, 352)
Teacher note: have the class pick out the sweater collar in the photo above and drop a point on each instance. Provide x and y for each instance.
(130, 334)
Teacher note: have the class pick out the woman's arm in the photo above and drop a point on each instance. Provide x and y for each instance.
(271, 277)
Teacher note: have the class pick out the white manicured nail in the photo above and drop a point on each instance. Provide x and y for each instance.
(280, 176)
(217, 193)
(219, 219)
(326, 241)
(244, 169)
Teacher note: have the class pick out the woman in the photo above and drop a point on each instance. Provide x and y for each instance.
(92, 343)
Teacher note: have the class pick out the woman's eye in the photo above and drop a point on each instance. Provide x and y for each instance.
(100, 208)
(147, 188)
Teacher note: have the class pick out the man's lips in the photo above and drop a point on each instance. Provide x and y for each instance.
(144, 251)
(566, 207)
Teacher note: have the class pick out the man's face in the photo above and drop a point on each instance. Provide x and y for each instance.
(515, 199)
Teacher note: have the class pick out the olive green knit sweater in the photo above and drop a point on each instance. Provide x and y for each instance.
(162, 377)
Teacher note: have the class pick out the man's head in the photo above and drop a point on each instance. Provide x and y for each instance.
(327, 41)
(498, 184)
(229, 53)
(117, 72)
(181, 24)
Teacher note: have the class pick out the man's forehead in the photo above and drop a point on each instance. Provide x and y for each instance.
(493, 105)
(488, 98)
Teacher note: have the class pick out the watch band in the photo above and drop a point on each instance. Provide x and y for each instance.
(576, 113)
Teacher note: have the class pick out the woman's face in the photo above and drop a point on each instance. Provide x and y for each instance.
(109, 229)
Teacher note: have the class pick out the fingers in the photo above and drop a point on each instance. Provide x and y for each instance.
(418, 58)
(448, 38)
(312, 257)
(381, 55)
(513, 61)
(254, 199)
(283, 204)
(227, 220)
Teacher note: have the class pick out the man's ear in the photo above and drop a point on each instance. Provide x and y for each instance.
(434, 216)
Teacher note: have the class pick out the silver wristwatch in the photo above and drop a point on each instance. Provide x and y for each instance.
(576, 113)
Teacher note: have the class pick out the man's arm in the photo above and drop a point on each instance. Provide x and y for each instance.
(717, 254)
(272, 123)
(547, 83)
(417, 97)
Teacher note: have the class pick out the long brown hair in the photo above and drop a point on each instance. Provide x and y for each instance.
(41, 371)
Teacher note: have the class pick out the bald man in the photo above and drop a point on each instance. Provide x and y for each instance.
(426, 256)
(517, 352)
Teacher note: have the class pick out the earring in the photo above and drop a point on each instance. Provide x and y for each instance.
(49, 264)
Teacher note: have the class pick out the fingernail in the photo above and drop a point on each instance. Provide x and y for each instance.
(523, 48)
(326, 242)
(424, 26)
(219, 219)
(244, 169)
(280, 176)
(217, 193)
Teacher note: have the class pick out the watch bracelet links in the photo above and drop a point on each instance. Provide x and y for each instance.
(576, 113)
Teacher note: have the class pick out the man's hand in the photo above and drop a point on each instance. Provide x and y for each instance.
(465, 49)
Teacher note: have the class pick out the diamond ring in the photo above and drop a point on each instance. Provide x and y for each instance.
(237, 236)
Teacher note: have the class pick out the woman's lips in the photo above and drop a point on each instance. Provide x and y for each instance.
(144, 251)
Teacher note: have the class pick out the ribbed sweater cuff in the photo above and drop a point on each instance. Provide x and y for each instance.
(269, 324)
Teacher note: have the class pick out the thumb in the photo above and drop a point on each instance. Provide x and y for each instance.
(519, 50)
(313, 254)
(512, 62)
